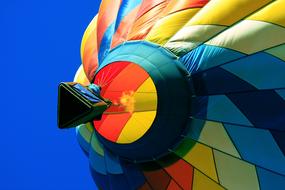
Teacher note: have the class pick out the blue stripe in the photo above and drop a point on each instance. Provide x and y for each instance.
(134, 175)
(126, 7)
(206, 56)
(218, 108)
(113, 164)
(280, 139)
(218, 81)
(97, 162)
(264, 109)
(262, 70)
(269, 180)
(106, 43)
(101, 180)
(257, 146)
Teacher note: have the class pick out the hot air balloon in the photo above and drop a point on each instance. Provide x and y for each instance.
(181, 94)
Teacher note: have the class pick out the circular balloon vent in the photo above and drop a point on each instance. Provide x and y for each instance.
(150, 100)
(134, 102)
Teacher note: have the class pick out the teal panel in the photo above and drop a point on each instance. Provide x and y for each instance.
(220, 108)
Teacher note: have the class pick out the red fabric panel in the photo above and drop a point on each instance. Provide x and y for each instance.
(182, 173)
(174, 186)
(97, 124)
(158, 179)
(107, 74)
(113, 125)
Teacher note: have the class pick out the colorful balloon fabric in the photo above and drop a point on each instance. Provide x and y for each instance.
(197, 90)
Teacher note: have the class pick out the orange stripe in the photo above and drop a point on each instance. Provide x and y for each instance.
(144, 23)
(129, 79)
(147, 5)
(124, 28)
(106, 17)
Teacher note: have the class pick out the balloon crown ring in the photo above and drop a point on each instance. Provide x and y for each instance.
(141, 93)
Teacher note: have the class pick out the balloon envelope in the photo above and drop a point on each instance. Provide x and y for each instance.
(197, 90)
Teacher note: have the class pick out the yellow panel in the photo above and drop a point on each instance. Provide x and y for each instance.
(190, 37)
(235, 173)
(278, 52)
(202, 182)
(250, 36)
(92, 27)
(146, 97)
(226, 12)
(201, 157)
(169, 25)
(273, 13)
(145, 101)
(214, 135)
(136, 127)
(80, 77)
(147, 86)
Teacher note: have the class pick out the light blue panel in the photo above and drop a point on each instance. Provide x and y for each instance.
(257, 146)
(220, 108)
(269, 180)
(207, 56)
(281, 93)
(106, 42)
(113, 163)
(262, 70)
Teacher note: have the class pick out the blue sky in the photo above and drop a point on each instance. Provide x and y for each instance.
(40, 43)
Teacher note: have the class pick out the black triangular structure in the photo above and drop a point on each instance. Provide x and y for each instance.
(74, 109)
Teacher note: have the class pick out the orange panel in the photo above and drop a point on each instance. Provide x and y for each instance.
(124, 28)
(143, 24)
(148, 5)
(129, 79)
(178, 5)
